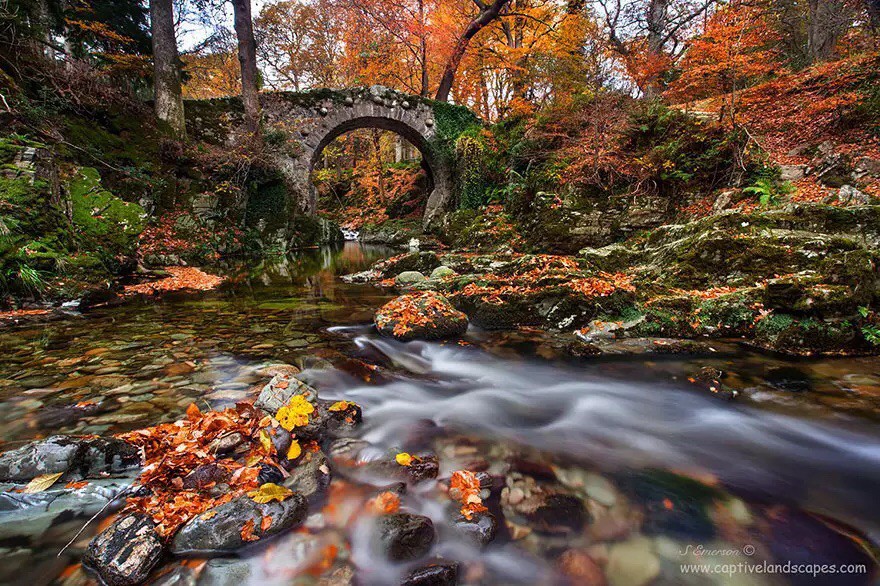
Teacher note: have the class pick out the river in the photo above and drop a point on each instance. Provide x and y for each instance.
(790, 471)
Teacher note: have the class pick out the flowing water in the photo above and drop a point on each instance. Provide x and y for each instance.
(789, 472)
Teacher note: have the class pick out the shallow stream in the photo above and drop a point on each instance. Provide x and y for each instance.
(662, 472)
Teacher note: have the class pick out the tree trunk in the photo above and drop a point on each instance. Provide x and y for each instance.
(488, 13)
(829, 20)
(166, 68)
(247, 57)
(423, 50)
(377, 151)
(657, 15)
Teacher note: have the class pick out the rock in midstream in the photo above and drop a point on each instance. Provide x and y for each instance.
(404, 536)
(124, 553)
(311, 477)
(439, 573)
(480, 530)
(278, 393)
(218, 530)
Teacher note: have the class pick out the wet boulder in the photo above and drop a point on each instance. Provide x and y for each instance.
(50, 456)
(710, 379)
(543, 505)
(126, 552)
(422, 467)
(423, 262)
(79, 457)
(404, 536)
(219, 530)
(280, 390)
(479, 530)
(423, 316)
(435, 574)
(343, 417)
(311, 476)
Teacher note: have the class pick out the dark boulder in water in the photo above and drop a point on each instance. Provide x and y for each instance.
(435, 574)
(218, 530)
(404, 536)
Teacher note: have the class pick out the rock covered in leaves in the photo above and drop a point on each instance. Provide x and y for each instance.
(124, 553)
(233, 525)
(404, 536)
(423, 316)
(82, 457)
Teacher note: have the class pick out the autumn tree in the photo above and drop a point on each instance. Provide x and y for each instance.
(405, 23)
(300, 44)
(166, 78)
(212, 68)
(738, 48)
(488, 13)
(649, 36)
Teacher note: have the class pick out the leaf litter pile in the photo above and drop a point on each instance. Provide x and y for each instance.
(188, 469)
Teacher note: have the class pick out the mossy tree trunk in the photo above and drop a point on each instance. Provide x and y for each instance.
(247, 56)
(166, 68)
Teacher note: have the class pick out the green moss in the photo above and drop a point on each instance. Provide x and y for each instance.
(732, 314)
(101, 217)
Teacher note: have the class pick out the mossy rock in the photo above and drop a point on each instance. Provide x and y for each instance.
(422, 262)
(422, 316)
(102, 217)
(787, 334)
(733, 314)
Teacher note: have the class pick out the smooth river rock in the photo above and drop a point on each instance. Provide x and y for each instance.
(405, 536)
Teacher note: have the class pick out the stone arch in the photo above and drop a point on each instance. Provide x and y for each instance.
(312, 120)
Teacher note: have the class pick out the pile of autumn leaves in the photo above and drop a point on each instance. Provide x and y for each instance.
(408, 311)
(185, 461)
(190, 469)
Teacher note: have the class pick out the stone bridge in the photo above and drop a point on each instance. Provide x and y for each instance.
(303, 124)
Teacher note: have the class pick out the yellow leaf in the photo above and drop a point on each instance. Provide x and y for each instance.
(270, 492)
(340, 406)
(266, 441)
(41, 483)
(295, 413)
(404, 459)
(294, 451)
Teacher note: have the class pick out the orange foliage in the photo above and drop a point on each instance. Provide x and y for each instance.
(172, 451)
(182, 278)
(413, 310)
(739, 45)
(465, 487)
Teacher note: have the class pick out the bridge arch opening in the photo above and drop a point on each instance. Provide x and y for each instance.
(337, 113)
(369, 175)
